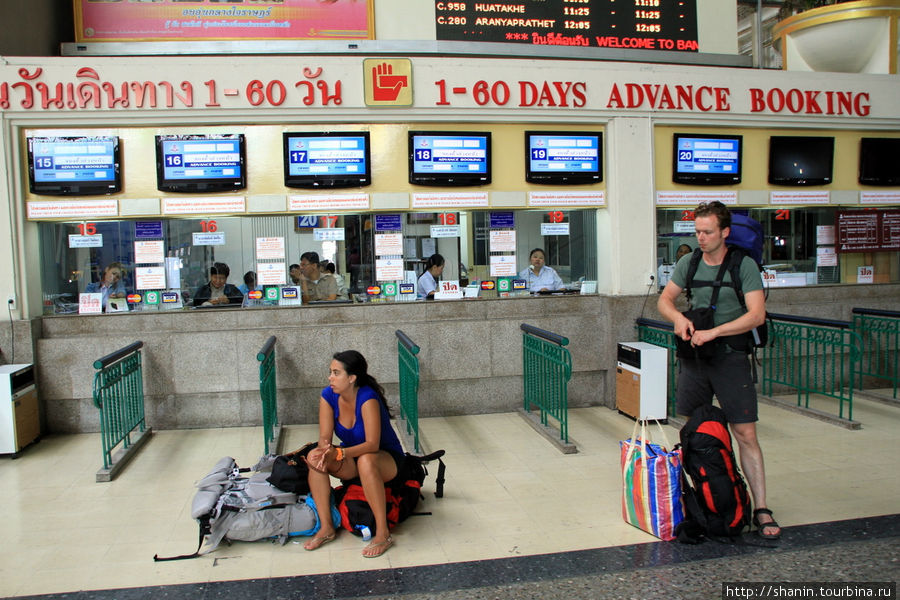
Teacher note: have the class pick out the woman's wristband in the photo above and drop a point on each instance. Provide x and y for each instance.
(339, 454)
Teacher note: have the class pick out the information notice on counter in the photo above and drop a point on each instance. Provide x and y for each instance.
(639, 24)
(868, 230)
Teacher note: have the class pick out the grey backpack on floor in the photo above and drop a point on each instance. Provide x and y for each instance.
(229, 506)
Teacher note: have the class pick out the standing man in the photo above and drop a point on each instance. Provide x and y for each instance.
(315, 285)
(727, 375)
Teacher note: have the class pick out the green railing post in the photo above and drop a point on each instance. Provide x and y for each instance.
(268, 391)
(408, 366)
(662, 334)
(547, 369)
(118, 392)
(879, 331)
(813, 357)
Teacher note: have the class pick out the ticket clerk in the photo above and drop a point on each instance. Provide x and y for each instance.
(538, 276)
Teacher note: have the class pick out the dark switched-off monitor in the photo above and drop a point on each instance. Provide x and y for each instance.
(879, 161)
(800, 160)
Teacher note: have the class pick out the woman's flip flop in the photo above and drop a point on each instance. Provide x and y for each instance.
(318, 542)
(379, 547)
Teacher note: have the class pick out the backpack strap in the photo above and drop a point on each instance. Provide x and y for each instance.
(731, 263)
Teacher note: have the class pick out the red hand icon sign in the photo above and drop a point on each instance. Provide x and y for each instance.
(385, 85)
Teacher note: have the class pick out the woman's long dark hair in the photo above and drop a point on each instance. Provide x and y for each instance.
(355, 364)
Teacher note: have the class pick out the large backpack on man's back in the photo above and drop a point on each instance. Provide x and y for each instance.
(715, 495)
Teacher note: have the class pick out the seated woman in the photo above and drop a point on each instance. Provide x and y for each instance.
(353, 406)
(538, 276)
(218, 291)
(427, 284)
(110, 284)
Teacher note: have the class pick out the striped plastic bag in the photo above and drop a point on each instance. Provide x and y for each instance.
(651, 484)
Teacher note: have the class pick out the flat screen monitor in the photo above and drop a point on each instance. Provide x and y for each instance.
(335, 160)
(449, 158)
(800, 160)
(200, 163)
(74, 165)
(879, 161)
(563, 157)
(706, 159)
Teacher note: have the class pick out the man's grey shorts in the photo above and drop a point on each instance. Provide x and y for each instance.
(728, 377)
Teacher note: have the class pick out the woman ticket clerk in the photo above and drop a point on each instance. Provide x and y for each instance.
(538, 276)
(427, 283)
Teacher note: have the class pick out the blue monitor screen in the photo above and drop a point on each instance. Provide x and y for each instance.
(447, 158)
(563, 157)
(74, 165)
(326, 159)
(190, 163)
(707, 159)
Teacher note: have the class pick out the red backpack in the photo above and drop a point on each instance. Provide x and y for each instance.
(715, 495)
(402, 495)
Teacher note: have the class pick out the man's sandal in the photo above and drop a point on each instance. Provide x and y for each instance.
(380, 547)
(318, 542)
(762, 527)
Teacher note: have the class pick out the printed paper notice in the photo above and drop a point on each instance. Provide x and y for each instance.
(269, 248)
(889, 197)
(694, 198)
(458, 200)
(554, 229)
(150, 278)
(445, 231)
(566, 198)
(328, 234)
(270, 273)
(826, 256)
(799, 197)
(824, 235)
(502, 241)
(389, 269)
(503, 266)
(149, 251)
(204, 206)
(388, 244)
(72, 210)
(86, 241)
(338, 202)
(208, 239)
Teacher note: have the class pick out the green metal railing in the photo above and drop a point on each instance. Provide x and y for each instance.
(662, 334)
(547, 369)
(119, 394)
(813, 357)
(880, 334)
(268, 392)
(408, 366)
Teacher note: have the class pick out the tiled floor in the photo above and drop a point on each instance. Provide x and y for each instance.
(509, 493)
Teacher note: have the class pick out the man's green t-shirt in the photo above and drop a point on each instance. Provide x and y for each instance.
(729, 307)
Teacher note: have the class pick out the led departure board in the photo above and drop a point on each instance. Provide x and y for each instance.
(636, 24)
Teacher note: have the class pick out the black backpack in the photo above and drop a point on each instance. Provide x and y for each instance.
(402, 495)
(715, 495)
